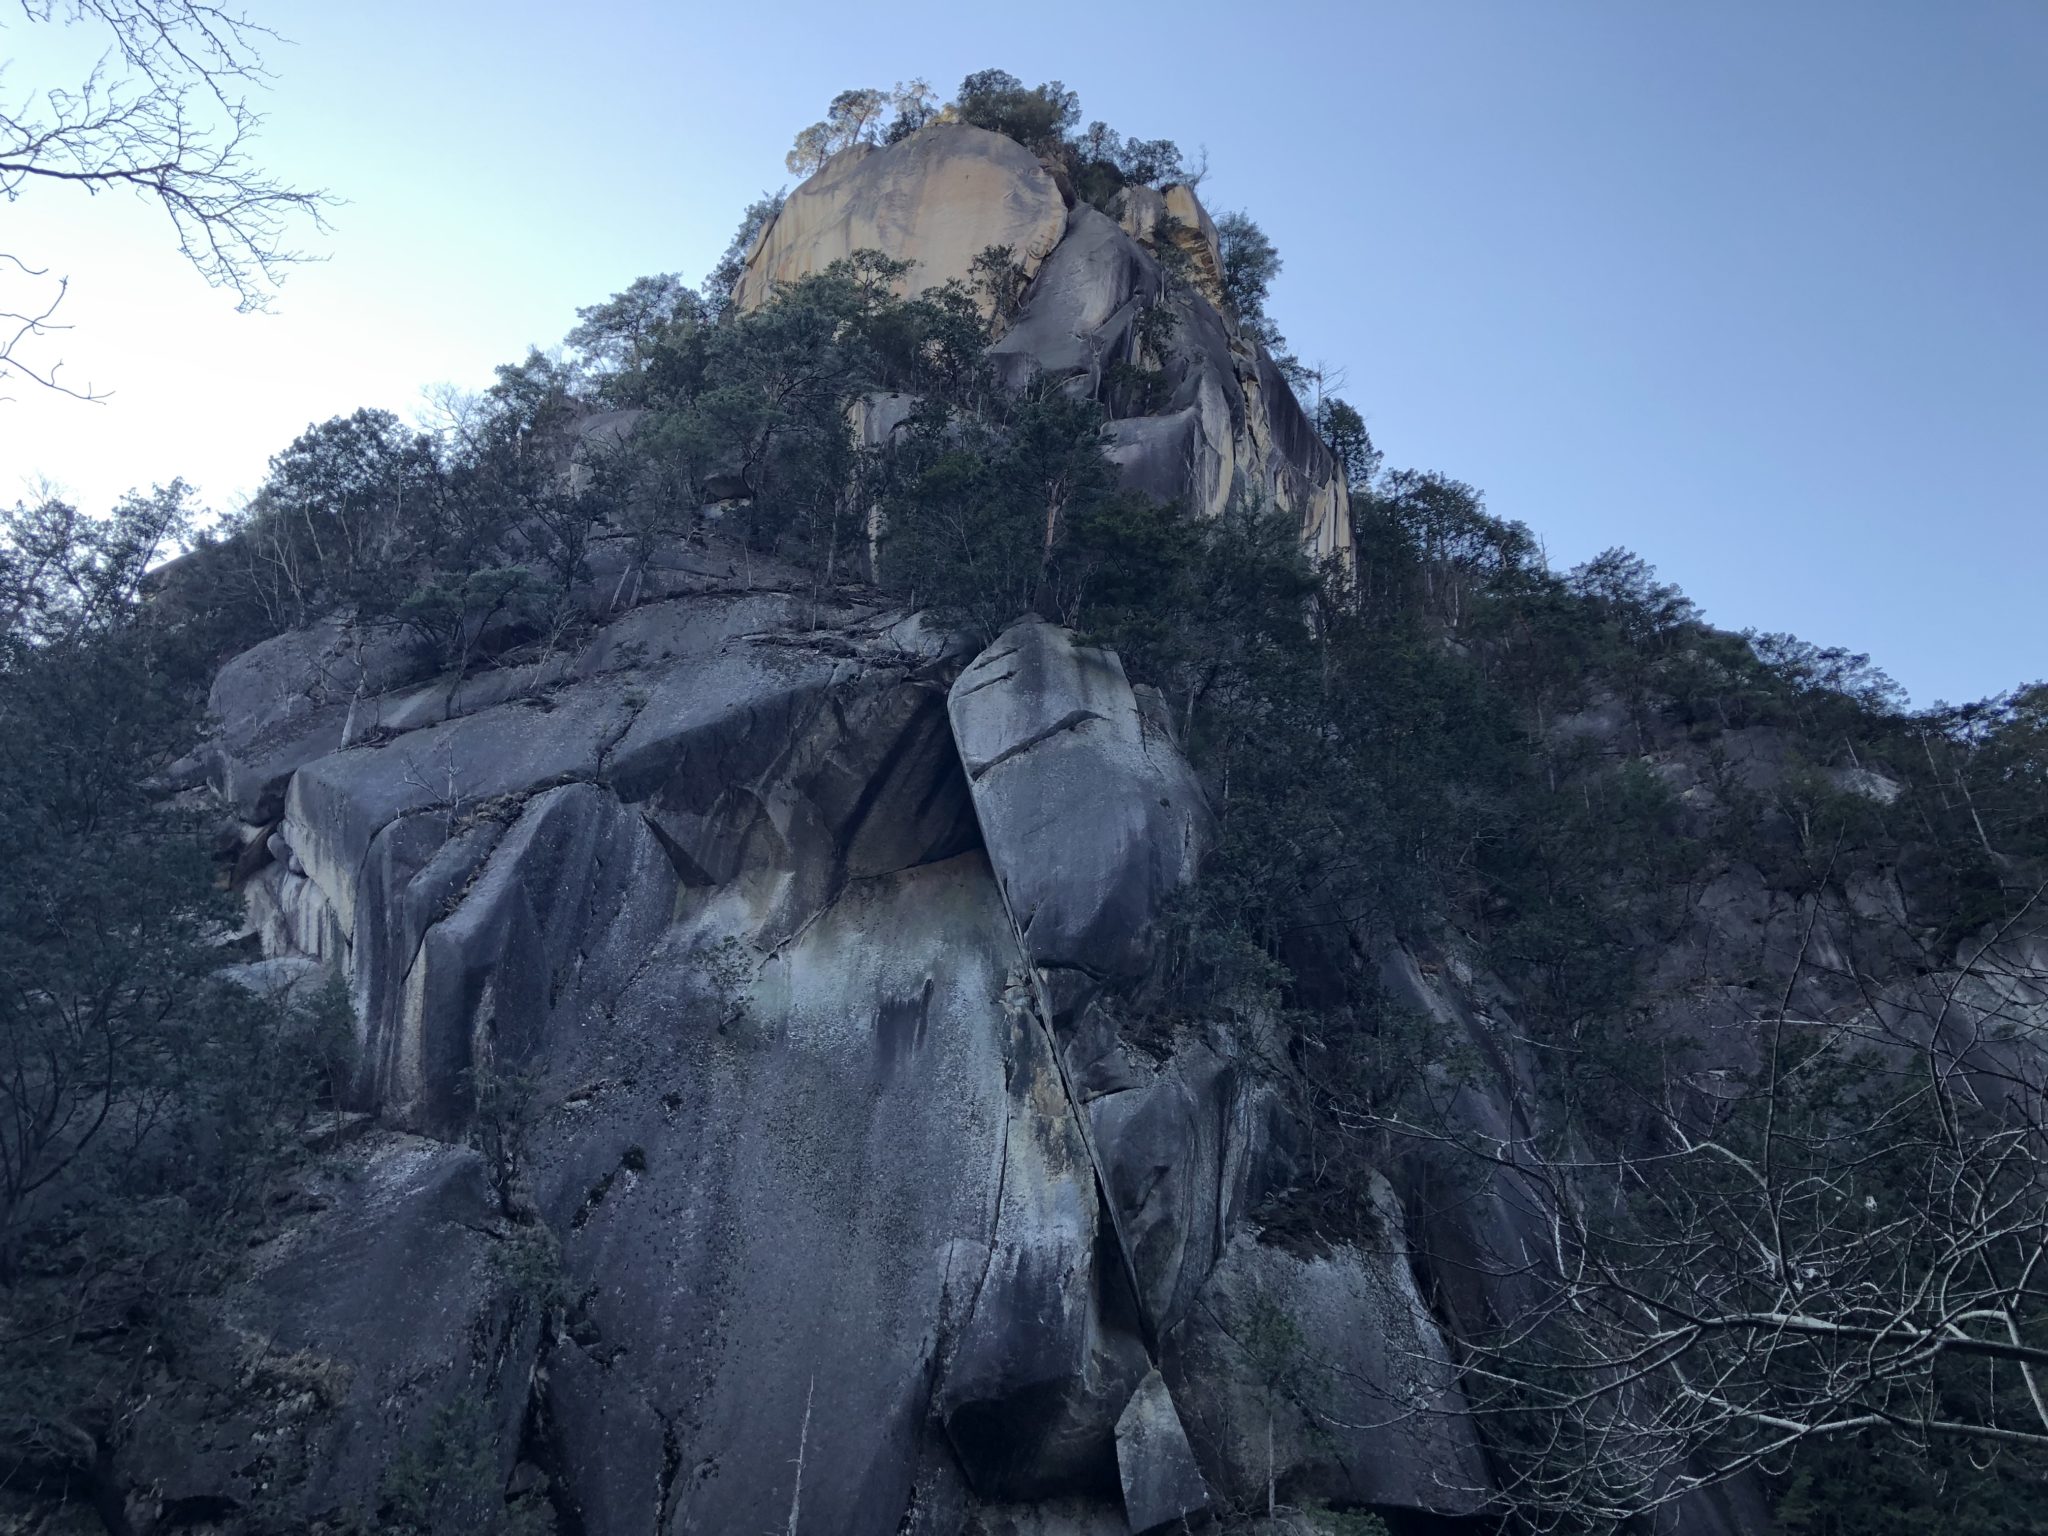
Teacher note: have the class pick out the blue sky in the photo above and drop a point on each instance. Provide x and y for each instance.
(1754, 289)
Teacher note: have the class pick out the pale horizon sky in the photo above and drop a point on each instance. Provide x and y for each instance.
(1755, 290)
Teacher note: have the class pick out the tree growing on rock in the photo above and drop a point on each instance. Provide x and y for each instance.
(1250, 263)
(855, 117)
(913, 105)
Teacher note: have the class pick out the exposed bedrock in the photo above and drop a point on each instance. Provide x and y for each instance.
(938, 198)
(1218, 421)
(773, 943)
(1162, 1486)
(383, 1307)
(1091, 816)
(1326, 1373)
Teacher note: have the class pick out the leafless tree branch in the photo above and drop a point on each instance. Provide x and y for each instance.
(162, 115)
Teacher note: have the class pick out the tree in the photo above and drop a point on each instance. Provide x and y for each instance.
(720, 281)
(164, 116)
(1344, 430)
(980, 511)
(1108, 161)
(1844, 1240)
(854, 117)
(618, 336)
(1250, 263)
(144, 1101)
(1039, 118)
(344, 510)
(911, 106)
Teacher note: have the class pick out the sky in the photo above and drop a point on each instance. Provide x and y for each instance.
(1759, 291)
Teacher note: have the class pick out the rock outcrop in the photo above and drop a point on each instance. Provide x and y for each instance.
(1091, 816)
(386, 1309)
(939, 199)
(1162, 1486)
(1214, 419)
(771, 930)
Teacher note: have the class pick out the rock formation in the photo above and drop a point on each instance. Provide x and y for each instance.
(787, 917)
(744, 976)
(1227, 424)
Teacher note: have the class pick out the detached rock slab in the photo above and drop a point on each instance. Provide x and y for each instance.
(1091, 815)
(1161, 1483)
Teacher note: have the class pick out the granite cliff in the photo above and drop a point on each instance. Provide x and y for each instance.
(761, 1111)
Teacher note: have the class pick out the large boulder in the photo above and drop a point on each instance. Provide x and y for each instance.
(1091, 816)
(938, 198)
(1188, 1147)
(1218, 421)
(1076, 323)
(1325, 1374)
(1162, 1486)
(382, 1310)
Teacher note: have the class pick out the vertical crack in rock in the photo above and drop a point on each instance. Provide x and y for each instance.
(1042, 1015)
(671, 1466)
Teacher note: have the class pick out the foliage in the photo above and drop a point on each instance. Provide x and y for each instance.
(1856, 1487)
(1100, 161)
(863, 115)
(981, 514)
(999, 277)
(345, 507)
(718, 284)
(1250, 263)
(1038, 117)
(853, 118)
(146, 1105)
(1340, 426)
(1105, 162)
(1445, 746)
(911, 107)
(617, 337)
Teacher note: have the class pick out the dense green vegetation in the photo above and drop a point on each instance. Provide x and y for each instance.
(1445, 745)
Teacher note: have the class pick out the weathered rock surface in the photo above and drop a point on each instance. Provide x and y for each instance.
(938, 198)
(286, 701)
(1152, 214)
(1328, 1374)
(361, 1322)
(1077, 321)
(1162, 1486)
(1189, 1146)
(1224, 424)
(775, 945)
(793, 936)
(1091, 816)
(714, 893)
(777, 1207)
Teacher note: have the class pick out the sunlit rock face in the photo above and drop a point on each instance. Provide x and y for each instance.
(938, 198)
(1215, 422)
